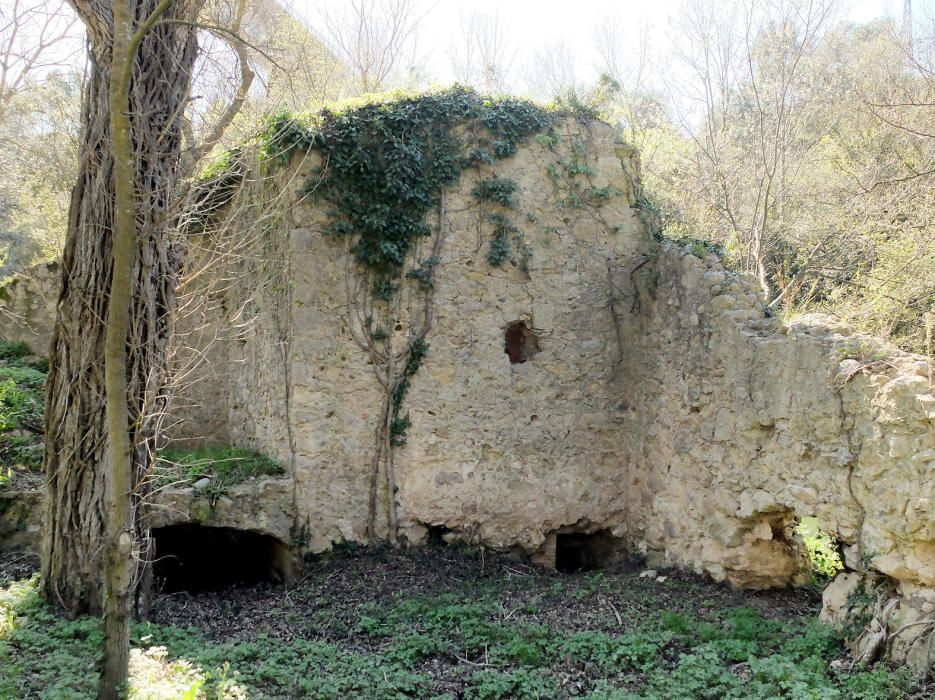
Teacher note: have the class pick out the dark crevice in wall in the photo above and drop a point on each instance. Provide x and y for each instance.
(579, 551)
(436, 535)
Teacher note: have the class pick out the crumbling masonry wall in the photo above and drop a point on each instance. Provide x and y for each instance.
(737, 426)
(27, 306)
(497, 451)
(655, 405)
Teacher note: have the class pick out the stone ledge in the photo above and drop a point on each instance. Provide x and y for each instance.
(263, 506)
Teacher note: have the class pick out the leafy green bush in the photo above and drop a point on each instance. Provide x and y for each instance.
(519, 685)
(822, 550)
(22, 398)
(878, 684)
(497, 190)
(388, 162)
(11, 352)
(22, 404)
(507, 244)
(699, 675)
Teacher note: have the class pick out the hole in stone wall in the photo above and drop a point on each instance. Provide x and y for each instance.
(579, 551)
(437, 534)
(823, 549)
(197, 558)
(520, 343)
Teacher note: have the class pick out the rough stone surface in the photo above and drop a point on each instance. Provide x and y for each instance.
(27, 306)
(662, 407)
(753, 424)
(737, 426)
(20, 520)
(500, 452)
(259, 505)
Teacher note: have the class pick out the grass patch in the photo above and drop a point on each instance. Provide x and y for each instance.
(22, 403)
(223, 465)
(13, 352)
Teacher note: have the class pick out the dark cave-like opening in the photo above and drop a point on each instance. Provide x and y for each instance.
(196, 558)
(519, 342)
(436, 535)
(580, 551)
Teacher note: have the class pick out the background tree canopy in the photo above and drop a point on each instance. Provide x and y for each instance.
(794, 139)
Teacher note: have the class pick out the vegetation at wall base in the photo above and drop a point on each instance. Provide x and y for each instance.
(451, 622)
(823, 552)
(22, 402)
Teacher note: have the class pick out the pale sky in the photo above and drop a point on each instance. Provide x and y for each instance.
(533, 24)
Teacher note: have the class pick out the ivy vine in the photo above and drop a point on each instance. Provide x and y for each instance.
(384, 168)
(387, 163)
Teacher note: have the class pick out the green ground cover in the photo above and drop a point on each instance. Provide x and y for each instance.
(440, 623)
(22, 401)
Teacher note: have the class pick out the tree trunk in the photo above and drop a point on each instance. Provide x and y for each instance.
(80, 493)
(118, 566)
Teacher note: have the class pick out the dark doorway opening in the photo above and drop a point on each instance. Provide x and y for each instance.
(579, 551)
(197, 558)
(520, 343)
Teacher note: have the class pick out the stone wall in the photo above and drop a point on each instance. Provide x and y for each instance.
(20, 520)
(27, 306)
(504, 451)
(656, 405)
(737, 426)
(498, 451)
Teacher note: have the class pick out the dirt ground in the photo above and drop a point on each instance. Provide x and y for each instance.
(342, 583)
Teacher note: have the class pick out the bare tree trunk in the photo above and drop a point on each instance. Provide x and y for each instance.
(80, 494)
(118, 567)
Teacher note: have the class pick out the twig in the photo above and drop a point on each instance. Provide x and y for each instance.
(615, 611)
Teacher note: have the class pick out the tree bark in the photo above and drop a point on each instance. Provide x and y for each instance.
(118, 567)
(77, 544)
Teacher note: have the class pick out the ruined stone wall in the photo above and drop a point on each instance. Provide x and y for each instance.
(27, 306)
(20, 520)
(508, 452)
(660, 405)
(496, 451)
(656, 404)
(737, 425)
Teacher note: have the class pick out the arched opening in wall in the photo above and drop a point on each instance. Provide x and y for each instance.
(197, 558)
(581, 551)
(823, 549)
(520, 342)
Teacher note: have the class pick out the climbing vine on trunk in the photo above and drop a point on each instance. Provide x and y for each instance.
(77, 460)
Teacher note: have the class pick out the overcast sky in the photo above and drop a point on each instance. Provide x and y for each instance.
(533, 24)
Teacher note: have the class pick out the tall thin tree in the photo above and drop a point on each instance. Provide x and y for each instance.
(107, 361)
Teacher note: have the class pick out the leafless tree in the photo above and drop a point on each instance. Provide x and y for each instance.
(553, 71)
(746, 105)
(628, 62)
(484, 58)
(374, 38)
(35, 35)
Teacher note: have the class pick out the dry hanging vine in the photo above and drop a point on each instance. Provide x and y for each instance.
(384, 170)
